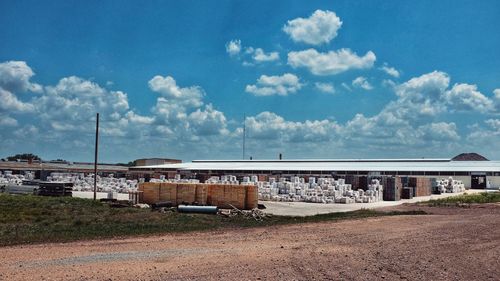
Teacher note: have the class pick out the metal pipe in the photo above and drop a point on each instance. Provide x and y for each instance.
(197, 209)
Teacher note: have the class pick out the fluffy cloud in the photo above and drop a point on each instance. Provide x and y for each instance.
(270, 126)
(275, 85)
(260, 56)
(65, 113)
(429, 94)
(332, 62)
(15, 77)
(189, 96)
(321, 27)
(390, 70)
(77, 99)
(465, 97)
(233, 47)
(7, 121)
(362, 82)
(251, 55)
(441, 131)
(496, 92)
(325, 87)
(9, 102)
(208, 122)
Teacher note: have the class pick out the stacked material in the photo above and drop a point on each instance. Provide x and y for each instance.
(7, 178)
(392, 188)
(82, 182)
(407, 193)
(176, 180)
(225, 180)
(55, 189)
(220, 195)
(422, 185)
(450, 186)
(315, 190)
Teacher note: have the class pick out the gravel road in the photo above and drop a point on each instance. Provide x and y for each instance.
(449, 244)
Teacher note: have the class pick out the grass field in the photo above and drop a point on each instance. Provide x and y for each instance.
(35, 219)
(485, 197)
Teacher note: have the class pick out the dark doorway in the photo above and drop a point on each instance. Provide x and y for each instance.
(478, 182)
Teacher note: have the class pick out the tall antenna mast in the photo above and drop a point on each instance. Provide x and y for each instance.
(244, 133)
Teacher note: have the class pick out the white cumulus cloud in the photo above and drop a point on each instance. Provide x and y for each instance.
(390, 70)
(260, 56)
(465, 97)
(362, 82)
(15, 77)
(321, 27)
(325, 87)
(167, 86)
(233, 47)
(332, 62)
(275, 85)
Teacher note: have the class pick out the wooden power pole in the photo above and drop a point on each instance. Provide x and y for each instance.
(95, 158)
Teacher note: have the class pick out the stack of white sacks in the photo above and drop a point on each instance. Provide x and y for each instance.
(81, 182)
(450, 186)
(177, 179)
(225, 180)
(7, 178)
(295, 189)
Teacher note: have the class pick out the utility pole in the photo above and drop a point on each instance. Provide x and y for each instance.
(244, 134)
(95, 159)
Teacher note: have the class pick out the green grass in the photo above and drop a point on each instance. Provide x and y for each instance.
(479, 198)
(34, 219)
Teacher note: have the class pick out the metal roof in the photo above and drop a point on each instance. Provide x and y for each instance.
(428, 165)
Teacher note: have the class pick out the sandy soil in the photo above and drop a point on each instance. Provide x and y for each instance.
(310, 209)
(450, 244)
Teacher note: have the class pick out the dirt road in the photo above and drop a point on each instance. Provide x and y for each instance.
(450, 244)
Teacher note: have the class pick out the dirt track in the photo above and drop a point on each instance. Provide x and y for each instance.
(451, 244)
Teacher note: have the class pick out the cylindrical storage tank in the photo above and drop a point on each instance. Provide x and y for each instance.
(197, 209)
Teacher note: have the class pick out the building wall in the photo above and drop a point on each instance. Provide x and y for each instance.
(494, 181)
(155, 161)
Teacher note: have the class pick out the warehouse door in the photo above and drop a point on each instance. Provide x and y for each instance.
(478, 182)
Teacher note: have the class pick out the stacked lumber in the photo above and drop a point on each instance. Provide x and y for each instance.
(422, 185)
(168, 192)
(252, 196)
(392, 188)
(235, 195)
(220, 195)
(150, 192)
(201, 194)
(215, 195)
(186, 193)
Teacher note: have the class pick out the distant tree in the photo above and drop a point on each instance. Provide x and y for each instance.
(129, 164)
(24, 156)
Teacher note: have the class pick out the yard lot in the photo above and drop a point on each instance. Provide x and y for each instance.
(451, 243)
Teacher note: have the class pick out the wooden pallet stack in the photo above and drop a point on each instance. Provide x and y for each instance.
(55, 189)
(201, 194)
(235, 195)
(252, 197)
(220, 195)
(422, 185)
(168, 192)
(392, 188)
(150, 192)
(186, 193)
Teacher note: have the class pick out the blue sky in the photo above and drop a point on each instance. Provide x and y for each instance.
(315, 80)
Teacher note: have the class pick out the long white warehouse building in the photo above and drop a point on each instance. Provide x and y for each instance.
(474, 174)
